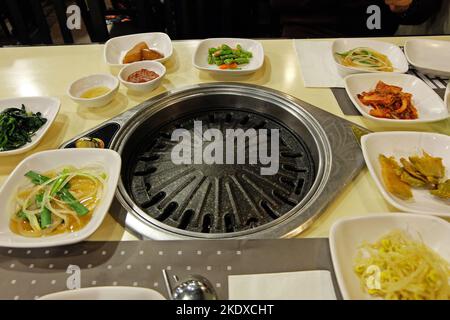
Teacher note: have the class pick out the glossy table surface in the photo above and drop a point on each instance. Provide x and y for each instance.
(48, 71)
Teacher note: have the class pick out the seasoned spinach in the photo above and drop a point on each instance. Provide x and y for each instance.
(17, 126)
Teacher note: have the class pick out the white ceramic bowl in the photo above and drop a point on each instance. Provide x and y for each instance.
(48, 107)
(429, 56)
(403, 144)
(78, 87)
(347, 234)
(146, 86)
(116, 48)
(200, 59)
(393, 52)
(106, 293)
(46, 161)
(429, 105)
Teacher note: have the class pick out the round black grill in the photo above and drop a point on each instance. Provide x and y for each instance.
(217, 198)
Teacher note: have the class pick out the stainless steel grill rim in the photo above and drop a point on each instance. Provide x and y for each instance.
(289, 224)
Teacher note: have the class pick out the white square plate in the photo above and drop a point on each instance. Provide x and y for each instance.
(50, 160)
(393, 52)
(200, 59)
(404, 144)
(429, 105)
(47, 106)
(429, 56)
(117, 48)
(346, 235)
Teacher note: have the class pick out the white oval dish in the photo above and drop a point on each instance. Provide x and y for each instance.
(106, 293)
(403, 144)
(200, 59)
(47, 106)
(393, 52)
(429, 56)
(78, 87)
(349, 233)
(429, 105)
(136, 66)
(50, 160)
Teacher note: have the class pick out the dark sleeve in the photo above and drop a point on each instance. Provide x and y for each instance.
(301, 4)
(420, 11)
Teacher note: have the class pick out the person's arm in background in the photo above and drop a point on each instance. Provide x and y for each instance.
(414, 11)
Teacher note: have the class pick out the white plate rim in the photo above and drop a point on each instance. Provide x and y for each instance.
(68, 293)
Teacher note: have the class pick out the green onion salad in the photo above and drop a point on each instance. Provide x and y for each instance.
(365, 59)
(57, 201)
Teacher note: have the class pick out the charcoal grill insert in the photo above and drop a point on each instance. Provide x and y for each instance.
(218, 198)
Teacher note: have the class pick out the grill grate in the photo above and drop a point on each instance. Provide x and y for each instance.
(218, 198)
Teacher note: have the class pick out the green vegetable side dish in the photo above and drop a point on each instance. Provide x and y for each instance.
(58, 201)
(59, 188)
(226, 57)
(365, 59)
(17, 126)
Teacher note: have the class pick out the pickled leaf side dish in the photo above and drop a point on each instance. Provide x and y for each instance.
(390, 170)
(430, 167)
(17, 127)
(412, 171)
(443, 190)
(426, 172)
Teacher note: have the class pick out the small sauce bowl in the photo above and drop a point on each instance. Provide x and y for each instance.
(80, 86)
(136, 66)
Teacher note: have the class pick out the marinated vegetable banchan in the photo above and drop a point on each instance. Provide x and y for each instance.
(366, 59)
(18, 126)
(226, 57)
(399, 267)
(425, 172)
(57, 201)
(390, 102)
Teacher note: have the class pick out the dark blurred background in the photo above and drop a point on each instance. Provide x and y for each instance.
(31, 22)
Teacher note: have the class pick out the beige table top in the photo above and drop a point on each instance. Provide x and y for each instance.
(48, 71)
